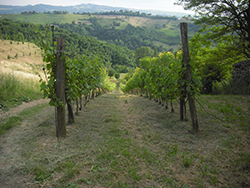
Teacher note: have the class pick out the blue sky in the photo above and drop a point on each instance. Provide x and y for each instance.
(164, 5)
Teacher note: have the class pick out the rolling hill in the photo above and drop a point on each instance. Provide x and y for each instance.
(163, 33)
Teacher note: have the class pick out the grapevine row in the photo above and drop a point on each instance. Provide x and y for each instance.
(162, 78)
(84, 75)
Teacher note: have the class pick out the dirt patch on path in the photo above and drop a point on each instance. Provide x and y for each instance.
(24, 105)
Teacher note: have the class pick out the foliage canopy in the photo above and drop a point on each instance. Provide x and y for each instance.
(232, 17)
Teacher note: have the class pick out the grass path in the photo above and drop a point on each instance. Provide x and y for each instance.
(121, 140)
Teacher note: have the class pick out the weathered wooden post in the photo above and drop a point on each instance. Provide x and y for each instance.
(186, 63)
(60, 88)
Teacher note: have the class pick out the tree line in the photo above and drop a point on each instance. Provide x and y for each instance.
(130, 13)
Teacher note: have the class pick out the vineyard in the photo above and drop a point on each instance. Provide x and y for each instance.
(172, 121)
(164, 78)
(123, 139)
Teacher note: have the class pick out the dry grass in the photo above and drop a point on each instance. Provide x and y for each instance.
(21, 68)
(27, 63)
(123, 140)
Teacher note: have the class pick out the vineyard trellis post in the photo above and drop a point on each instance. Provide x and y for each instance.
(60, 88)
(56, 122)
(186, 64)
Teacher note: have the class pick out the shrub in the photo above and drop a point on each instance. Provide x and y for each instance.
(111, 72)
(235, 88)
(117, 75)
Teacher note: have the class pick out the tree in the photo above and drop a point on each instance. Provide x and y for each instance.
(19, 37)
(111, 73)
(117, 75)
(231, 16)
(155, 52)
(141, 53)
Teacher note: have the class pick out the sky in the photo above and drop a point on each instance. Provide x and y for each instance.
(163, 5)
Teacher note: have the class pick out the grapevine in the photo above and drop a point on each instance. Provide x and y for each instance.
(83, 75)
(162, 77)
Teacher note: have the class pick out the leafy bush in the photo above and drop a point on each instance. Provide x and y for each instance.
(117, 75)
(111, 73)
(231, 87)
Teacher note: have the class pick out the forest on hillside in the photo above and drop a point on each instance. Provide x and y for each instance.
(120, 58)
(132, 37)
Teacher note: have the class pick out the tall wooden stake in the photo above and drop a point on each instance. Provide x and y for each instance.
(60, 88)
(186, 63)
(54, 70)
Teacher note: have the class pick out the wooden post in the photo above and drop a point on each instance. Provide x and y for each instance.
(248, 21)
(77, 106)
(186, 63)
(183, 96)
(60, 87)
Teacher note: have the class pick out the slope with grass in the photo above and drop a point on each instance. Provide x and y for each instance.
(123, 140)
(21, 68)
(21, 58)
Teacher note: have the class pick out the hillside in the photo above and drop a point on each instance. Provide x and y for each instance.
(42, 18)
(76, 44)
(22, 59)
(163, 33)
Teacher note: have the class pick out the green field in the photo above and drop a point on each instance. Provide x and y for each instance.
(45, 18)
(102, 19)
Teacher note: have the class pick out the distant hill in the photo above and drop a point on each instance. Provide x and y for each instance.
(8, 9)
(160, 32)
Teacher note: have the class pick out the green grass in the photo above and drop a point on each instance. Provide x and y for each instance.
(9, 123)
(15, 90)
(123, 140)
(122, 26)
(45, 18)
(122, 75)
(12, 121)
(170, 31)
(106, 22)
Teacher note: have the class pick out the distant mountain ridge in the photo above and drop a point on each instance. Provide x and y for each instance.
(9, 9)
